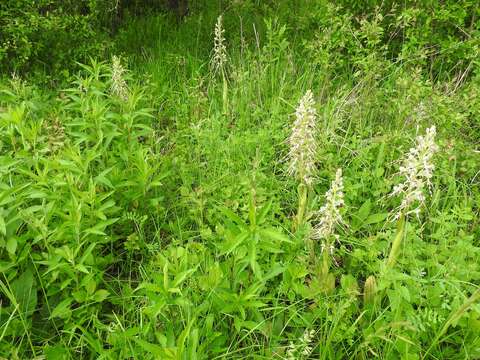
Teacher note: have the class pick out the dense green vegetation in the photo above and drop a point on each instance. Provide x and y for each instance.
(179, 196)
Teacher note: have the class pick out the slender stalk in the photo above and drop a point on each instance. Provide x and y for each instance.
(225, 94)
(325, 259)
(397, 242)
(302, 204)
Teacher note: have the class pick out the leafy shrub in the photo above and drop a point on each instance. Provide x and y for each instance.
(441, 37)
(72, 180)
(50, 35)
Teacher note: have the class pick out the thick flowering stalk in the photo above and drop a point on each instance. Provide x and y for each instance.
(119, 86)
(417, 169)
(303, 148)
(329, 218)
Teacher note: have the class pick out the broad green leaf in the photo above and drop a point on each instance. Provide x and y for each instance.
(364, 210)
(193, 342)
(3, 227)
(11, 245)
(263, 212)
(180, 278)
(37, 194)
(100, 295)
(275, 234)
(376, 218)
(277, 269)
(228, 246)
(82, 268)
(233, 217)
(150, 287)
(57, 352)
(166, 280)
(62, 310)
(87, 252)
(157, 351)
(25, 292)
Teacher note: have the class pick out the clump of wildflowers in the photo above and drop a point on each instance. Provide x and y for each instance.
(417, 169)
(303, 146)
(219, 58)
(303, 348)
(119, 86)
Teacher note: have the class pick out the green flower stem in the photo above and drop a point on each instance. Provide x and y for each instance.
(302, 204)
(397, 242)
(325, 259)
(225, 94)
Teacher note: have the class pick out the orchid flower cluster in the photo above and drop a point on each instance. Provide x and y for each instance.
(303, 146)
(329, 215)
(219, 58)
(417, 169)
(119, 86)
(303, 348)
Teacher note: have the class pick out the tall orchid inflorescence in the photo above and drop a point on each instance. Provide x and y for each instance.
(219, 58)
(119, 86)
(417, 169)
(329, 214)
(302, 151)
(303, 146)
(328, 218)
(219, 61)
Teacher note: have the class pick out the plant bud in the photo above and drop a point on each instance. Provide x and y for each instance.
(369, 290)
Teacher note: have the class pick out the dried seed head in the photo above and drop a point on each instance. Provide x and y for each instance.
(329, 214)
(219, 58)
(417, 169)
(119, 86)
(303, 146)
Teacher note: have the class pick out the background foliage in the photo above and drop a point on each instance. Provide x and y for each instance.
(51, 35)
